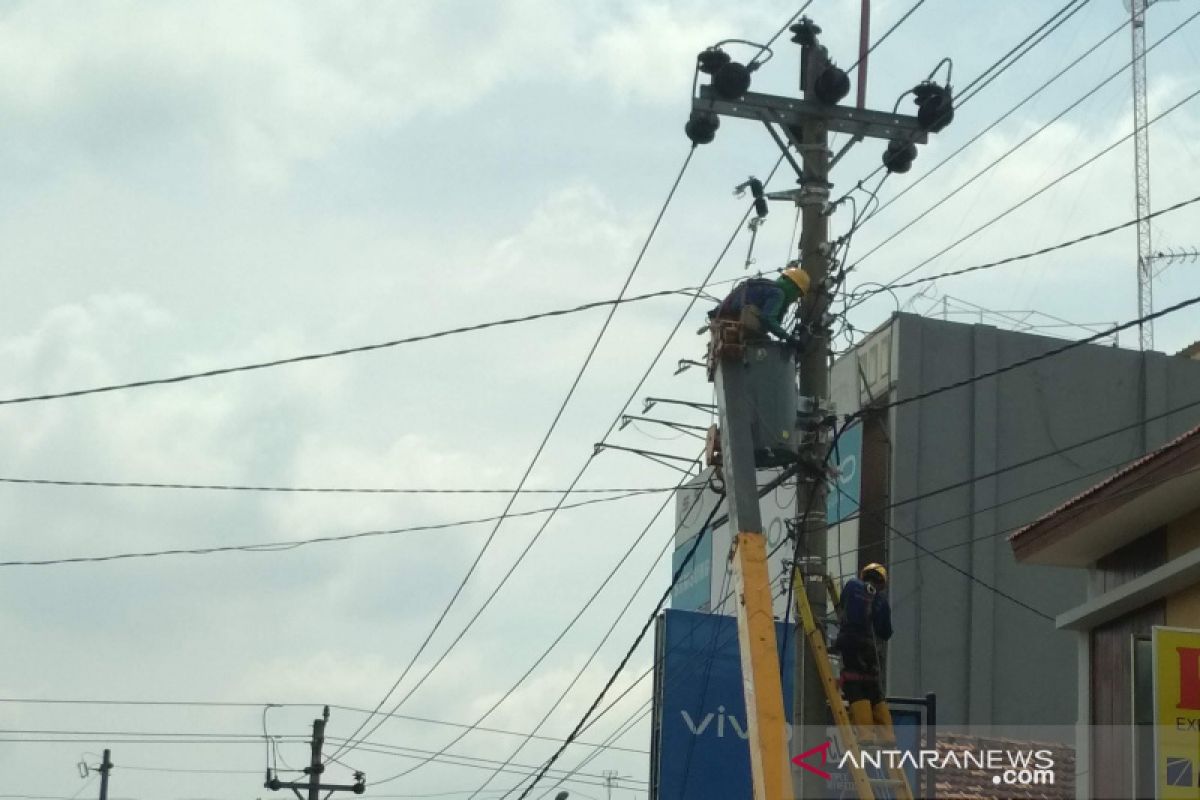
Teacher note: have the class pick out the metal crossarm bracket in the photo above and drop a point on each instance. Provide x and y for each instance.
(794, 112)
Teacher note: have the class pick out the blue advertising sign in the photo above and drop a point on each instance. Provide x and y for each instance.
(693, 591)
(844, 496)
(700, 749)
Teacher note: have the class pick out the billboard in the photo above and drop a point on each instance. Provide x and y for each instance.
(1176, 713)
(691, 592)
(700, 749)
(844, 494)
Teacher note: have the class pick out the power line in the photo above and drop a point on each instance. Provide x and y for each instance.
(224, 487)
(1032, 254)
(1048, 27)
(553, 644)
(925, 528)
(996, 161)
(212, 373)
(1041, 33)
(520, 484)
(645, 375)
(611, 628)
(256, 705)
(904, 18)
(911, 539)
(271, 547)
(612, 425)
(1030, 197)
(1033, 359)
(1012, 110)
(629, 653)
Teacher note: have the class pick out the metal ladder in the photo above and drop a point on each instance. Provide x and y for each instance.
(896, 784)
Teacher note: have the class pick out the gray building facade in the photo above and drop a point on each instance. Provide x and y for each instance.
(942, 481)
(1007, 446)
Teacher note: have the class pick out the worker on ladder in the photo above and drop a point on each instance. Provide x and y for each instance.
(760, 303)
(865, 619)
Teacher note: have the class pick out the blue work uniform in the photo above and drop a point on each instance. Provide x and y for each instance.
(769, 298)
(865, 619)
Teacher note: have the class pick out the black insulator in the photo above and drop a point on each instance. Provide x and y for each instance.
(899, 156)
(712, 59)
(760, 202)
(731, 81)
(805, 32)
(832, 85)
(935, 106)
(702, 126)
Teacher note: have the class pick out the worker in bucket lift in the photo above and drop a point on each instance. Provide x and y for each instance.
(865, 619)
(761, 303)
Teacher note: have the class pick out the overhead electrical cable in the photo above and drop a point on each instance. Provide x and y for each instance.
(291, 544)
(1029, 198)
(685, 290)
(629, 399)
(524, 477)
(550, 648)
(587, 463)
(1104, 334)
(225, 487)
(1019, 145)
(910, 185)
(678, 573)
(903, 18)
(1003, 64)
(1032, 254)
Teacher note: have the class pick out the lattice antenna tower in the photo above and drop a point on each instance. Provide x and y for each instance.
(1141, 170)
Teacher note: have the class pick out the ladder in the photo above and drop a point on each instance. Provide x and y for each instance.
(896, 783)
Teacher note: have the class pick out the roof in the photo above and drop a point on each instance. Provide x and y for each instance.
(1191, 351)
(1144, 495)
(979, 784)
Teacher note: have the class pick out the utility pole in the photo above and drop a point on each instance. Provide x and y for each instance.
(610, 779)
(105, 767)
(809, 710)
(313, 785)
(806, 123)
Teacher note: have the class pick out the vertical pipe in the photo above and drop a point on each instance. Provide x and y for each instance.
(315, 768)
(930, 741)
(864, 45)
(105, 768)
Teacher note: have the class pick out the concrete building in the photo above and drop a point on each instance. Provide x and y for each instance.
(957, 470)
(1137, 534)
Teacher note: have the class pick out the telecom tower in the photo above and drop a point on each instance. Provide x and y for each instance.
(1141, 171)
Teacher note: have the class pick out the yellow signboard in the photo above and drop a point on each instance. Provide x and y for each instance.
(1177, 713)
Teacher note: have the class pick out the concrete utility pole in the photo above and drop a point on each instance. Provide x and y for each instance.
(806, 123)
(313, 785)
(105, 767)
(809, 710)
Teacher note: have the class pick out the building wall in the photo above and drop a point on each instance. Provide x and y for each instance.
(1183, 535)
(954, 635)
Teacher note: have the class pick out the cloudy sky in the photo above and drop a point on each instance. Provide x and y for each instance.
(189, 186)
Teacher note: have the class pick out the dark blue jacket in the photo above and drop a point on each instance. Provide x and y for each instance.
(865, 611)
(766, 295)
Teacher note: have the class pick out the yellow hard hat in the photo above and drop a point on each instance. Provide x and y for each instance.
(798, 277)
(878, 569)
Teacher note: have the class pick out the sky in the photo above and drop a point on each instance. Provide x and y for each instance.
(190, 186)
